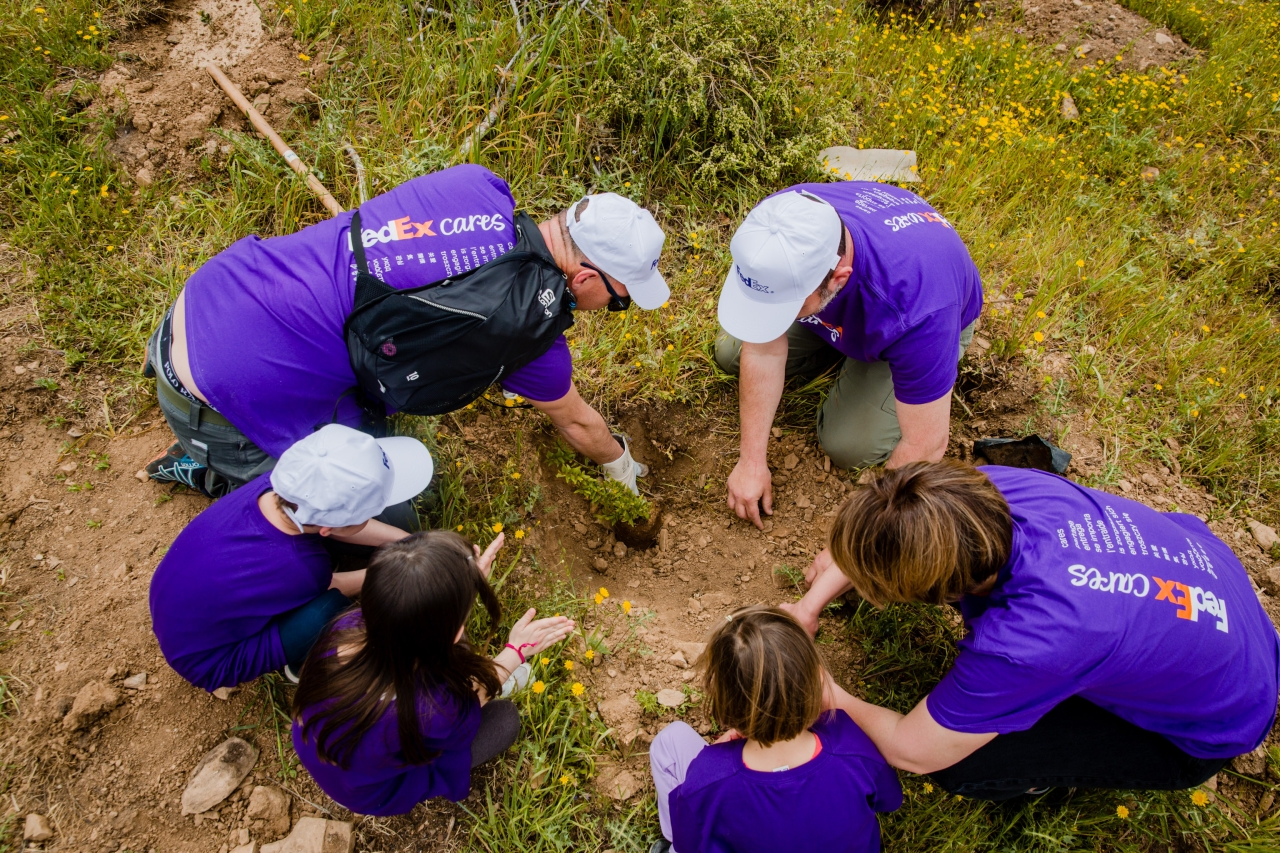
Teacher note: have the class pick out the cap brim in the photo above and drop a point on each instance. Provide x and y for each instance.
(650, 293)
(754, 322)
(411, 467)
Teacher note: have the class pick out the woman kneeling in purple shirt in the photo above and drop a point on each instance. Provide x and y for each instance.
(786, 775)
(1109, 645)
(375, 754)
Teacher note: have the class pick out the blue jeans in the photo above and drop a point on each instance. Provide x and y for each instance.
(302, 626)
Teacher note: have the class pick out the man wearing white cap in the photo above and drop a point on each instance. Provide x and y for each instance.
(254, 356)
(862, 275)
(249, 584)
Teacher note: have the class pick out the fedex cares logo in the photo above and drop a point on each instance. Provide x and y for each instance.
(1191, 601)
(405, 228)
(906, 220)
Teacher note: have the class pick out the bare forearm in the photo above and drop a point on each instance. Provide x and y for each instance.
(763, 374)
(880, 724)
(375, 533)
(825, 589)
(583, 427)
(906, 452)
(925, 430)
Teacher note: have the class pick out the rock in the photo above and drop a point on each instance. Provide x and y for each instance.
(781, 580)
(1164, 39)
(251, 847)
(69, 467)
(679, 660)
(36, 828)
(790, 462)
(1060, 47)
(692, 651)
(93, 700)
(1270, 580)
(1068, 108)
(223, 693)
(664, 539)
(601, 564)
(579, 528)
(1251, 763)
(144, 177)
(1152, 480)
(594, 544)
(1262, 534)
(316, 835)
(136, 682)
(695, 606)
(75, 432)
(1149, 173)
(218, 774)
(618, 783)
(619, 550)
(1125, 486)
(142, 124)
(1084, 50)
(619, 711)
(669, 698)
(141, 475)
(270, 806)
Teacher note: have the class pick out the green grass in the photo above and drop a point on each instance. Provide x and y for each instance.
(1148, 308)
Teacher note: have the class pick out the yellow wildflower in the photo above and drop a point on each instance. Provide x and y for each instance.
(1122, 811)
(538, 687)
(1080, 263)
(459, 528)
(604, 593)
(928, 788)
(1195, 413)
(519, 534)
(515, 475)
(304, 57)
(1159, 387)
(1204, 329)
(577, 689)
(626, 607)
(1039, 336)
(497, 527)
(566, 778)
(599, 598)
(544, 661)
(589, 654)
(1199, 798)
(568, 665)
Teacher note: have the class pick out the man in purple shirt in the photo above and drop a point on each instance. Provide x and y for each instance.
(252, 356)
(862, 275)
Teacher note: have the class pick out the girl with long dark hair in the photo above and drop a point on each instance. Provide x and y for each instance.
(367, 748)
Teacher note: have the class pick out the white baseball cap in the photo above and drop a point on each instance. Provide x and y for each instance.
(622, 238)
(781, 253)
(339, 476)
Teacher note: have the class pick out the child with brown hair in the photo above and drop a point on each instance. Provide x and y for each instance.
(786, 775)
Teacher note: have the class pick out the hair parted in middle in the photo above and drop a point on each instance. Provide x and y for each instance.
(416, 596)
(763, 675)
(927, 532)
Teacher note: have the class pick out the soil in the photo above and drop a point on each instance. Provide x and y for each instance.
(1083, 32)
(170, 105)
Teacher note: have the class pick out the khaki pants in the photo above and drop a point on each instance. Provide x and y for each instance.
(858, 423)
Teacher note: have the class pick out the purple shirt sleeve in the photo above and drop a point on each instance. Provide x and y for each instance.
(989, 693)
(545, 379)
(924, 360)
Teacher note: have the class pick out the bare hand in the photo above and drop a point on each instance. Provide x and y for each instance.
(821, 563)
(531, 637)
(807, 620)
(732, 734)
(484, 562)
(749, 485)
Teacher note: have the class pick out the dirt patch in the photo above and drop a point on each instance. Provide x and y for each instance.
(172, 106)
(1083, 32)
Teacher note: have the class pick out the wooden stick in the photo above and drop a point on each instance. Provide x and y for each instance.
(255, 118)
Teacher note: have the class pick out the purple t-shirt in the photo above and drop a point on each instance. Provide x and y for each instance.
(913, 289)
(264, 317)
(828, 803)
(229, 573)
(1146, 614)
(379, 782)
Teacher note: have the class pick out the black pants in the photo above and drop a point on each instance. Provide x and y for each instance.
(1076, 745)
(499, 728)
(302, 626)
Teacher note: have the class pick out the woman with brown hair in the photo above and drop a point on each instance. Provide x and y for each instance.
(1108, 645)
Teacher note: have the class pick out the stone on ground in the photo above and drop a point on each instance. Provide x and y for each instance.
(618, 783)
(269, 808)
(669, 698)
(1068, 109)
(692, 651)
(1262, 534)
(316, 835)
(218, 774)
(1252, 763)
(136, 681)
(93, 700)
(36, 828)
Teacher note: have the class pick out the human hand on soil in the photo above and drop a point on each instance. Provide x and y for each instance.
(484, 562)
(807, 620)
(821, 563)
(532, 636)
(751, 485)
(732, 734)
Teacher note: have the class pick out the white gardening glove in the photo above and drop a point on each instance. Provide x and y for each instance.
(624, 469)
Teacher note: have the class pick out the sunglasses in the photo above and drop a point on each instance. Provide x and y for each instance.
(616, 302)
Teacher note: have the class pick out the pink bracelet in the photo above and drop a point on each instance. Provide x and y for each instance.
(519, 653)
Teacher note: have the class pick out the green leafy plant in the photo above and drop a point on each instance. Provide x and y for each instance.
(611, 501)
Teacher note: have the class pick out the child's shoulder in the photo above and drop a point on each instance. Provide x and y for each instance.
(840, 735)
(713, 765)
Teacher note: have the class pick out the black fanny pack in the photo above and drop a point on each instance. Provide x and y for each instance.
(434, 349)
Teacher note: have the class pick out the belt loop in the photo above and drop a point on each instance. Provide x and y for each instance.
(193, 414)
